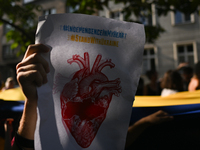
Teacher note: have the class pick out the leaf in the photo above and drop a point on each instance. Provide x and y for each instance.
(14, 45)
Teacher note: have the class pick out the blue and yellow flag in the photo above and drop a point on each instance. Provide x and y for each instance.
(12, 100)
(182, 103)
(179, 104)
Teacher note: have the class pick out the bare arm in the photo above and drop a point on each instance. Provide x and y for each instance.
(138, 127)
(194, 84)
(31, 73)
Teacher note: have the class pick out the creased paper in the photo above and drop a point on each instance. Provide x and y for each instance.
(95, 66)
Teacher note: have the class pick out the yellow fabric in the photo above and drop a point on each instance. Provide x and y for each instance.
(14, 94)
(181, 98)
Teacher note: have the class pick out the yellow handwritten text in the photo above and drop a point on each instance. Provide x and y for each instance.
(92, 40)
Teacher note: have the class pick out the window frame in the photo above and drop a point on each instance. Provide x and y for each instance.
(184, 43)
(153, 16)
(121, 15)
(173, 19)
(29, 1)
(151, 46)
(49, 10)
(70, 9)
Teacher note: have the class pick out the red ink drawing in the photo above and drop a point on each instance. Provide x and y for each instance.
(86, 98)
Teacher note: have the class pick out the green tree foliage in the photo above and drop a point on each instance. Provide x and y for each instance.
(23, 19)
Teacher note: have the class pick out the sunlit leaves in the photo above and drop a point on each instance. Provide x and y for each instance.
(23, 20)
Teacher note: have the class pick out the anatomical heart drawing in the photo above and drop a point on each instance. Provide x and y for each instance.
(85, 99)
(95, 64)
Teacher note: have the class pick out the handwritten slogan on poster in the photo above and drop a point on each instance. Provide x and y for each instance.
(95, 67)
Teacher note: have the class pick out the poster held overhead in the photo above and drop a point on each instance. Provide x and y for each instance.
(95, 66)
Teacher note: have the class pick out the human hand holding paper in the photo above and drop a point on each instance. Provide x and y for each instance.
(31, 73)
(32, 70)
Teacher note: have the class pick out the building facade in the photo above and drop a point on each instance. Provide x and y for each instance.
(179, 43)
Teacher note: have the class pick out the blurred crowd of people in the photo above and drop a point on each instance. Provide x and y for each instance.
(183, 78)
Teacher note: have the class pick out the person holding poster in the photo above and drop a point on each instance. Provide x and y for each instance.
(93, 72)
(31, 73)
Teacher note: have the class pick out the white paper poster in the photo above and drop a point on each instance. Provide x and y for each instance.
(95, 66)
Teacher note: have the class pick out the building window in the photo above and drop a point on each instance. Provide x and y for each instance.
(49, 11)
(148, 17)
(181, 18)
(116, 15)
(8, 53)
(27, 1)
(186, 52)
(145, 18)
(72, 10)
(149, 59)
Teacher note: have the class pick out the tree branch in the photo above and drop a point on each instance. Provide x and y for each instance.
(17, 28)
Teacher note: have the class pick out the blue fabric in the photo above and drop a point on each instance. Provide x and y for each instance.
(14, 106)
(190, 110)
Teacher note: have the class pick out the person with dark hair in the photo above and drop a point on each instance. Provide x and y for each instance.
(194, 82)
(153, 88)
(186, 74)
(31, 73)
(171, 83)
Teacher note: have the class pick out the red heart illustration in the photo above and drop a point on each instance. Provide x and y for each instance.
(86, 98)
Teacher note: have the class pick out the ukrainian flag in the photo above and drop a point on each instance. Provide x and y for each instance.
(14, 94)
(182, 103)
(12, 100)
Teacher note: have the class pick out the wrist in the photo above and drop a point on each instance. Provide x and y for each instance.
(31, 103)
(22, 142)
